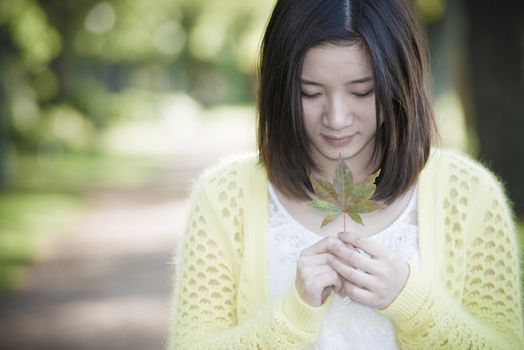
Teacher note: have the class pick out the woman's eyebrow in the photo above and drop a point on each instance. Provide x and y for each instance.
(356, 81)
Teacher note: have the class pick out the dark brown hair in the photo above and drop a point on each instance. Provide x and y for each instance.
(394, 43)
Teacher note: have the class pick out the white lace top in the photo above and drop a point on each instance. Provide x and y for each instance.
(348, 325)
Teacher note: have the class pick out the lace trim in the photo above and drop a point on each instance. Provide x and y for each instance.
(408, 210)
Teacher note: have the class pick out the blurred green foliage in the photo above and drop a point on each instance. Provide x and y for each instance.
(27, 219)
(48, 194)
(72, 63)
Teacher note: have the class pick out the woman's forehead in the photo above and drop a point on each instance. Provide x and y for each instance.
(344, 63)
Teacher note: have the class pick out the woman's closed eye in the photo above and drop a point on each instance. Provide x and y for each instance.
(357, 94)
(309, 96)
(364, 94)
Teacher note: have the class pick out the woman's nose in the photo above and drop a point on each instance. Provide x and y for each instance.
(337, 113)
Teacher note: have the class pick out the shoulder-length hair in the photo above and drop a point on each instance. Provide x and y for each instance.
(395, 46)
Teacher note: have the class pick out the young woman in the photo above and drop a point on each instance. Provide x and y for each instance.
(436, 267)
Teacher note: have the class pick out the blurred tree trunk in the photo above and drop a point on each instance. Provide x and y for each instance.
(495, 40)
(4, 117)
(4, 142)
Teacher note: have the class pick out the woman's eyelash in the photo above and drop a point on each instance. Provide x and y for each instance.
(367, 93)
(309, 96)
(364, 94)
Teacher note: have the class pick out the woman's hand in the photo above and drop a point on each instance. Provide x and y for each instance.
(374, 280)
(315, 278)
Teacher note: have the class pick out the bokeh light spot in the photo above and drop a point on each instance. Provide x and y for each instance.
(169, 38)
(101, 18)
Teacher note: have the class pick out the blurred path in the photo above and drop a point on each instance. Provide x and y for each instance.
(105, 282)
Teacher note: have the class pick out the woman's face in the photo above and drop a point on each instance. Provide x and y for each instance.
(338, 101)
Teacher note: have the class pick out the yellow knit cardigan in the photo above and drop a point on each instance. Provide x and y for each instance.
(466, 296)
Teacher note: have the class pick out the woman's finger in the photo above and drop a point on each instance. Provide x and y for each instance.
(311, 283)
(316, 270)
(352, 274)
(353, 257)
(368, 245)
(314, 260)
(321, 246)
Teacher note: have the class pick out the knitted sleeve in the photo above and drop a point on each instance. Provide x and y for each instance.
(207, 291)
(480, 308)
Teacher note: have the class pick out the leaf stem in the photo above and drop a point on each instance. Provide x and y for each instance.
(344, 222)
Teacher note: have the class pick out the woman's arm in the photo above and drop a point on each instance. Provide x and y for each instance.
(207, 281)
(489, 313)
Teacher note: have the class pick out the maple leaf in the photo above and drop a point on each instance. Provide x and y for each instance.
(344, 196)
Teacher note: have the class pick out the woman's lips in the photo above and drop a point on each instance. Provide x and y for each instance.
(338, 141)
